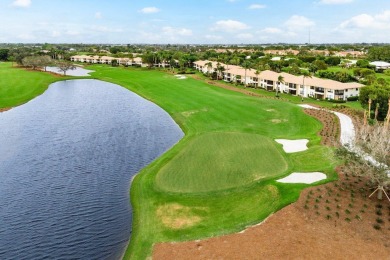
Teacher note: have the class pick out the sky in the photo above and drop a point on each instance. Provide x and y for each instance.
(195, 21)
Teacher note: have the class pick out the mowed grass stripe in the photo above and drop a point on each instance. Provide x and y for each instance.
(223, 161)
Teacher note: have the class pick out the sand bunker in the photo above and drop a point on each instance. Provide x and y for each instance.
(293, 146)
(303, 177)
(180, 76)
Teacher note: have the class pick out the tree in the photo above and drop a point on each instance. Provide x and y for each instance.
(280, 81)
(114, 63)
(305, 75)
(257, 72)
(148, 58)
(333, 61)
(64, 66)
(220, 70)
(369, 156)
(246, 66)
(382, 94)
(4, 54)
(31, 61)
(363, 63)
(379, 53)
(209, 67)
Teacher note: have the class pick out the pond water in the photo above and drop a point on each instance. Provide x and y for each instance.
(75, 72)
(67, 159)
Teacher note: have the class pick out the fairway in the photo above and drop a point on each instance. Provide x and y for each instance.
(218, 179)
(18, 85)
(224, 160)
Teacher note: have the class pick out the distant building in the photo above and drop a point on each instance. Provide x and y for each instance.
(137, 61)
(380, 65)
(295, 85)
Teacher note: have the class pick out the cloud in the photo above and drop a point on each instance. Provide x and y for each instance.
(176, 31)
(26, 36)
(365, 21)
(297, 23)
(244, 36)
(149, 10)
(106, 29)
(22, 3)
(256, 6)
(272, 30)
(229, 26)
(335, 2)
(213, 37)
(55, 34)
(98, 15)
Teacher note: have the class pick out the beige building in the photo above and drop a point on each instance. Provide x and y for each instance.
(295, 85)
(137, 61)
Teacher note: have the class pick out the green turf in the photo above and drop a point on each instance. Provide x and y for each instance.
(223, 161)
(18, 85)
(211, 117)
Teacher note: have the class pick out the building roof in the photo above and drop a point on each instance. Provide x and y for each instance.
(287, 78)
(380, 64)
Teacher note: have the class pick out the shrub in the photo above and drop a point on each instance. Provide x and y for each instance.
(379, 220)
(354, 98)
(377, 226)
(336, 101)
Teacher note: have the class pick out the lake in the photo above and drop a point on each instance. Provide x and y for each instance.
(67, 159)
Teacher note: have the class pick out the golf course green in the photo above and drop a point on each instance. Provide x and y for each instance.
(221, 177)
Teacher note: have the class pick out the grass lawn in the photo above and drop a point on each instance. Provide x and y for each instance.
(220, 178)
(223, 161)
(17, 85)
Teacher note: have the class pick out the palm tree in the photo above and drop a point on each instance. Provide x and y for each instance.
(388, 115)
(220, 70)
(209, 66)
(305, 75)
(257, 72)
(280, 80)
(376, 111)
(217, 69)
(371, 97)
(246, 66)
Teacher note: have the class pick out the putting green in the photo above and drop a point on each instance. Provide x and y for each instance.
(224, 160)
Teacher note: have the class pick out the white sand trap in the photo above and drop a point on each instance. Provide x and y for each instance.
(293, 146)
(180, 76)
(303, 177)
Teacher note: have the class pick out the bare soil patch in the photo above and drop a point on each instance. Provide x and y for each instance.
(4, 109)
(176, 216)
(332, 221)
